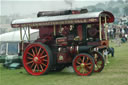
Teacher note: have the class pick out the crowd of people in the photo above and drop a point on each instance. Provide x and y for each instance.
(118, 33)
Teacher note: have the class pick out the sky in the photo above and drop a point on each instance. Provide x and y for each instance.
(24, 7)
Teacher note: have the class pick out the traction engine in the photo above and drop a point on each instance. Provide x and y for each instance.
(66, 38)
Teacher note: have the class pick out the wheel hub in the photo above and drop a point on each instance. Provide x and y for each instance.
(36, 59)
(82, 65)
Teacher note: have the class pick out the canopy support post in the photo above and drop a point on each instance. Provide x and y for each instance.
(28, 34)
(106, 37)
(22, 41)
(6, 48)
(54, 28)
(100, 36)
(21, 34)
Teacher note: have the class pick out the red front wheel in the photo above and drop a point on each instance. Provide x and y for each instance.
(37, 59)
(83, 64)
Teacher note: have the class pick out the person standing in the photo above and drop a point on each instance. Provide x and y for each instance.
(114, 32)
(117, 38)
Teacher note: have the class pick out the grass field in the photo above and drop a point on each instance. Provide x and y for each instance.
(115, 73)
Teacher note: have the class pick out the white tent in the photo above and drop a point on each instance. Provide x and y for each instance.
(9, 42)
(14, 36)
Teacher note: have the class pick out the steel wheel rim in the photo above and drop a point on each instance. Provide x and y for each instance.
(35, 59)
(83, 65)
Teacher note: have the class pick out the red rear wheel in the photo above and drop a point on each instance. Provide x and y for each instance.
(99, 61)
(83, 64)
(37, 59)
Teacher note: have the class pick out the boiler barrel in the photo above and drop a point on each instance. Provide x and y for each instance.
(84, 48)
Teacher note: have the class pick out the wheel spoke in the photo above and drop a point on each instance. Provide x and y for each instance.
(32, 65)
(78, 62)
(41, 67)
(45, 60)
(30, 54)
(87, 68)
(79, 68)
(83, 59)
(38, 67)
(33, 52)
(43, 56)
(95, 59)
(83, 70)
(42, 53)
(35, 68)
(95, 56)
(97, 66)
(30, 58)
(80, 59)
(87, 60)
(29, 62)
(38, 52)
(43, 64)
(88, 64)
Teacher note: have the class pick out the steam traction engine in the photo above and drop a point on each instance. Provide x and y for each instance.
(66, 38)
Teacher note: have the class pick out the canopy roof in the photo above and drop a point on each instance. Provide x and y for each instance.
(15, 36)
(63, 19)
